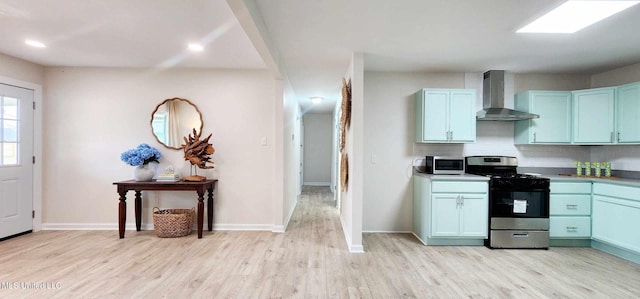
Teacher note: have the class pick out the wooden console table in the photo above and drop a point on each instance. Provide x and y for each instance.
(138, 187)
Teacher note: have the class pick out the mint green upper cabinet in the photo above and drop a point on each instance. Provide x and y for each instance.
(462, 116)
(445, 115)
(554, 124)
(628, 113)
(593, 116)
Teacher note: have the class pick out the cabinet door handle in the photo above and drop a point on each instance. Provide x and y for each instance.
(450, 135)
(534, 137)
(461, 201)
(572, 207)
(572, 229)
(618, 137)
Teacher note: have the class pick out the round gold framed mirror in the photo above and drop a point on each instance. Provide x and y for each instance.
(173, 119)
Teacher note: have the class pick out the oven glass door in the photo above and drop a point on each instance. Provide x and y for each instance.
(519, 204)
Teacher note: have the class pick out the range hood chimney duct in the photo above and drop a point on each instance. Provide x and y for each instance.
(493, 100)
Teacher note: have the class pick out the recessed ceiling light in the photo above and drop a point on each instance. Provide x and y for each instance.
(35, 43)
(196, 47)
(316, 100)
(573, 15)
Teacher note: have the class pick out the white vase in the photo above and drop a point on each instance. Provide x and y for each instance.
(145, 172)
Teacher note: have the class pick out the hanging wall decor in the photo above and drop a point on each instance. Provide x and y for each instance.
(344, 172)
(345, 114)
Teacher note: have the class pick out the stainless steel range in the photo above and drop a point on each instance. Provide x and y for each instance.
(518, 203)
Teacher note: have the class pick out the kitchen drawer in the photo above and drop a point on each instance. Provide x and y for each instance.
(571, 187)
(570, 227)
(459, 187)
(569, 204)
(620, 191)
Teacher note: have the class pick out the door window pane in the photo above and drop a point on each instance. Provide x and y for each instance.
(9, 131)
(10, 108)
(9, 153)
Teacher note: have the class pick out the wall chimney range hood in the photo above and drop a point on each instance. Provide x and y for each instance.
(493, 100)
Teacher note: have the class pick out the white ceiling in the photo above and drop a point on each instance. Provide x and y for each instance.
(316, 38)
(126, 33)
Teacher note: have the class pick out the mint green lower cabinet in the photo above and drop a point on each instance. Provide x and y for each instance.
(570, 227)
(570, 213)
(450, 212)
(445, 217)
(616, 220)
(459, 215)
(613, 221)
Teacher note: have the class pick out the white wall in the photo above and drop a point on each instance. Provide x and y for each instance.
(389, 140)
(317, 149)
(94, 114)
(389, 136)
(619, 76)
(352, 198)
(22, 70)
(291, 152)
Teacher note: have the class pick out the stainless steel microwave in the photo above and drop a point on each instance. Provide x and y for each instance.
(444, 165)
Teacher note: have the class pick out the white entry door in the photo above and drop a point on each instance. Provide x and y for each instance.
(16, 165)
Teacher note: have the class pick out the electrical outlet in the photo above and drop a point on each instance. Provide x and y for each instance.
(374, 158)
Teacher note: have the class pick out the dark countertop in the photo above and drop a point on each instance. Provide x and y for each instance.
(614, 180)
(452, 177)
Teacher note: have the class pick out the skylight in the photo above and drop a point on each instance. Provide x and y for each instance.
(575, 15)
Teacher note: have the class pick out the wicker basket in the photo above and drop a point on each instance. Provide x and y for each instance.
(172, 223)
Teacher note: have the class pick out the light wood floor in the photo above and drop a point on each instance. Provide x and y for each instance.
(310, 260)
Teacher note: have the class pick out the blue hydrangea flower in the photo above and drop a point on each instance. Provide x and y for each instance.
(141, 155)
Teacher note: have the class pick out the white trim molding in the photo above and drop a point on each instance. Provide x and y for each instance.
(328, 184)
(283, 228)
(352, 248)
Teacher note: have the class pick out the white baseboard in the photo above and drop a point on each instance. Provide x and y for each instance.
(317, 184)
(283, 228)
(149, 226)
(347, 236)
(421, 241)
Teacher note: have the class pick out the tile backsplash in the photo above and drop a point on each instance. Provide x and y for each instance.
(496, 138)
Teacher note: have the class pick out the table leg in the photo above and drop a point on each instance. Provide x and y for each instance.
(200, 212)
(122, 213)
(138, 210)
(210, 209)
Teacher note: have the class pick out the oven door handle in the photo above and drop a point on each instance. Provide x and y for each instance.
(520, 235)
